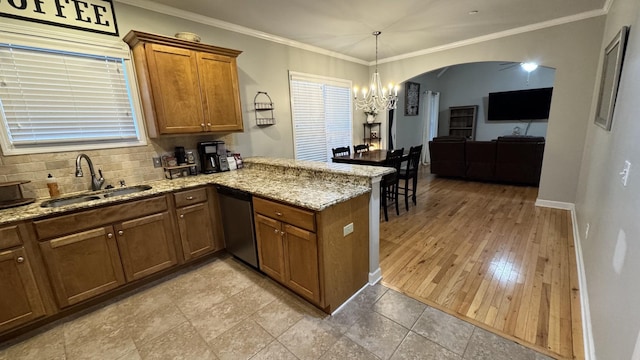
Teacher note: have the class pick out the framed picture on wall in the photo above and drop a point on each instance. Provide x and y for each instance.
(611, 69)
(411, 98)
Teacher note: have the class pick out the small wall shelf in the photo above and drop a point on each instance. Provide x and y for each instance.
(372, 134)
(263, 107)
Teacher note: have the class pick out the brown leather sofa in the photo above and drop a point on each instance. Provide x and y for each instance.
(447, 156)
(508, 159)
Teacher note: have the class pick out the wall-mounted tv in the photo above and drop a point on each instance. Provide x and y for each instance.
(531, 104)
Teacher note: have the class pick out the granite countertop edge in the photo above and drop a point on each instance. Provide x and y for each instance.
(308, 192)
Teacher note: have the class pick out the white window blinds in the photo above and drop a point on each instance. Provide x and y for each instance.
(321, 110)
(54, 97)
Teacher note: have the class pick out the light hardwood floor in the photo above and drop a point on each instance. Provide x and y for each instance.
(486, 254)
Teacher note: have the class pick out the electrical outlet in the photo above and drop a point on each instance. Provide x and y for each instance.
(156, 162)
(348, 229)
(586, 232)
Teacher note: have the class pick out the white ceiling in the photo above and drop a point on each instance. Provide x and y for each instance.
(345, 26)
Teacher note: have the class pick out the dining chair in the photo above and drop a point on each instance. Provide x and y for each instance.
(360, 148)
(341, 151)
(389, 183)
(410, 172)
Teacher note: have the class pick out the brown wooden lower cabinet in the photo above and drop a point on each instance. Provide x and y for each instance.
(270, 247)
(20, 301)
(301, 273)
(83, 265)
(195, 222)
(308, 252)
(146, 245)
(289, 255)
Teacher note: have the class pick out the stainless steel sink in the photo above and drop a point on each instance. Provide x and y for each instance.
(69, 201)
(126, 190)
(103, 194)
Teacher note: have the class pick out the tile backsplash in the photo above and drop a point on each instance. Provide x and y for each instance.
(134, 165)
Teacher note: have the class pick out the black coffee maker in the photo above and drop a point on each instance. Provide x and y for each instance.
(213, 156)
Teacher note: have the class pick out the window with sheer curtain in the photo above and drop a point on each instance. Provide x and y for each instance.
(322, 115)
(58, 100)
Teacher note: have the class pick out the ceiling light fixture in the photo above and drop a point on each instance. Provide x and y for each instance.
(529, 66)
(473, 12)
(376, 98)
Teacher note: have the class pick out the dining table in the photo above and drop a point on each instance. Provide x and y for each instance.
(375, 157)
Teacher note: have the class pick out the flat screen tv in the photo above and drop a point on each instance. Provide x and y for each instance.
(531, 104)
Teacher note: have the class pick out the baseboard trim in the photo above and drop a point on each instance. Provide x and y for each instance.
(349, 299)
(585, 312)
(556, 205)
(375, 276)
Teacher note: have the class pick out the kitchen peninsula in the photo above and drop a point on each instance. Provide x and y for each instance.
(335, 207)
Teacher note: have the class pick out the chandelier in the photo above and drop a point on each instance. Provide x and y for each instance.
(376, 97)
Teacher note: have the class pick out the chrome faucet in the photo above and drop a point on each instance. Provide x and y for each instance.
(96, 182)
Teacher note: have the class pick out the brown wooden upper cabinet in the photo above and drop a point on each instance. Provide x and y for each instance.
(186, 87)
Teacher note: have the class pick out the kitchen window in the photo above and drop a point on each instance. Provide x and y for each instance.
(322, 115)
(65, 95)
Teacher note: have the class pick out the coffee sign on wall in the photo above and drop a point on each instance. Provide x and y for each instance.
(88, 15)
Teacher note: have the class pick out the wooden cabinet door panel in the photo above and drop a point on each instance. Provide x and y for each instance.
(146, 245)
(176, 90)
(301, 259)
(83, 265)
(20, 301)
(196, 232)
(270, 247)
(220, 96)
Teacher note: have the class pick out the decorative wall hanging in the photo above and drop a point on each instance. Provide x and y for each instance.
(611, 69)
(411, 98)
(88, 15)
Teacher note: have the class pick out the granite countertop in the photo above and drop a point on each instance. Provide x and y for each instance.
(311, 185)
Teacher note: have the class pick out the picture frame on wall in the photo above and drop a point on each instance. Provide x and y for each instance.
(610, 79)
(411, 98)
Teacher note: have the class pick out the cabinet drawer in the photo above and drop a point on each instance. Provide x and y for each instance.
(291, 215)
(72, 223)
(188, 197)
(9, 237)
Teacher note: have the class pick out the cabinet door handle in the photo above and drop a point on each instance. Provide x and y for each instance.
(202, 125)
(20, 260)
(278, 213)
(281, 233)
(120, 232)
(209, 124)
(189, 197)
(276, 231)
(181, 216)
(109, 235)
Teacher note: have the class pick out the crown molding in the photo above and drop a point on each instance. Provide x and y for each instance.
(494, 36)
(187, 15)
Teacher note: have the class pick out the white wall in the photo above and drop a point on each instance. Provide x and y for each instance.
(409, 128)
(573, 50)
(611, 209)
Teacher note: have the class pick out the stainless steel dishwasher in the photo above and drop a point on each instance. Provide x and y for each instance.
(236, 210)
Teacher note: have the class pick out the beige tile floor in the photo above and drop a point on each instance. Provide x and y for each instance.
(224, 310)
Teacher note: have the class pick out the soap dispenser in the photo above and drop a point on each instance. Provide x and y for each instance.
(52, 184)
